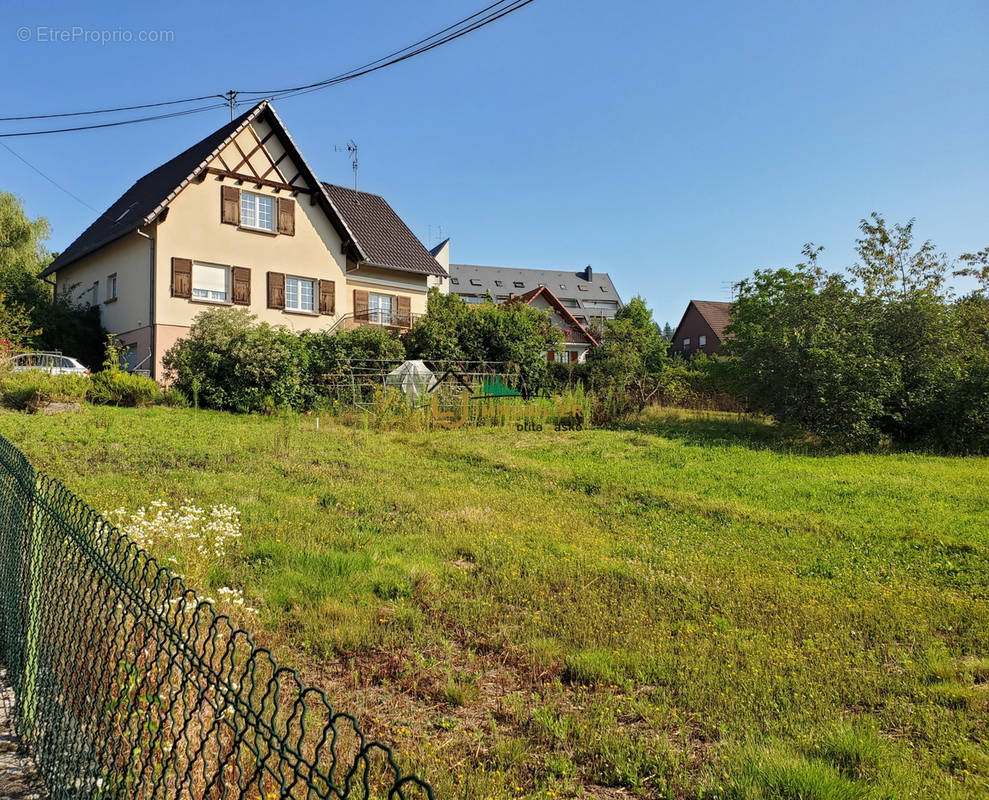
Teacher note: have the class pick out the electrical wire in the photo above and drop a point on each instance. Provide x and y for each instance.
(115, 124)
(514, 4)
(111, 110)
(475, 21)
(48, 178)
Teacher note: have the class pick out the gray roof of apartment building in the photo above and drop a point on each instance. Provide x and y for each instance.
(577, 289)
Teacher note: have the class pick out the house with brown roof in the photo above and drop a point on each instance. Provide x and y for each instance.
(577, 339)
(702, 328)
(239, 219)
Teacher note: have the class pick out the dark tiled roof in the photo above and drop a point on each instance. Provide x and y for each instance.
(576, 332)
(578, 288)
(143, 201)
(716, 313)
(384, 238)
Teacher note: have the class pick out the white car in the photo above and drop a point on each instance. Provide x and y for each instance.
(52, 363)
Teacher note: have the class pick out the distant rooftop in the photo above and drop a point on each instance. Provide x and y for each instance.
(587, 293)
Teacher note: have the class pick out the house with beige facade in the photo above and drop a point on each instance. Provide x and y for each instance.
(239, 219)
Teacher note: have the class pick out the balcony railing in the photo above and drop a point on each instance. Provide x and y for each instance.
(385, 318)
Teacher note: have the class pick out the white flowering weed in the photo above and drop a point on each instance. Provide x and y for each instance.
(188, 538)
(189, 529)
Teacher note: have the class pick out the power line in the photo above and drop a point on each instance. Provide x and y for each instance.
(475, 21)
(131, 121)
(111, 110)
(401, 55)
(356, 71)
(48, 178)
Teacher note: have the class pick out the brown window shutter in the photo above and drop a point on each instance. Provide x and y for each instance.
(403, 310)
(241, 286)
(361, 302)
(276, 290)
(286, 216)
(182, 277)
(230, 205)
(327, 297)
(550, 355)
(573, 356)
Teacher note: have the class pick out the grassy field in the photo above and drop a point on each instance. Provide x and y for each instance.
(688, 607)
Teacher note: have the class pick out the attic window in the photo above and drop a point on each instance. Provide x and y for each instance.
(519, 284)
(604, 288)
(498, 283)
(563, 286)
(126, 212)
(455, 281)
(581, 287)
(475, 282)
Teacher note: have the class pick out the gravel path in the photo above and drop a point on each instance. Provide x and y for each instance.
(17, 774)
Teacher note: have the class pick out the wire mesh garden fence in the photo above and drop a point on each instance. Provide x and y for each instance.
(128, 685)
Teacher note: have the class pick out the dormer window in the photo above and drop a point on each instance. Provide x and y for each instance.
(519, 285)
(474, 282)
(257, 211)
(455, 281)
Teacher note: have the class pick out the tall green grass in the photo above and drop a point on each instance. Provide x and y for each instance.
(696, 605)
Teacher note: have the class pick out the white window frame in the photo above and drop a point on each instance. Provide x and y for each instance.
(205, 298)
(111, 287)
(254, 206)
(377, 311)
(297, 291)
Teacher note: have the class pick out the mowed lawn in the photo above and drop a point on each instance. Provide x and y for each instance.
(683, 608)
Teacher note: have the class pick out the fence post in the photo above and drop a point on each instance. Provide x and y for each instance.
(32, 588)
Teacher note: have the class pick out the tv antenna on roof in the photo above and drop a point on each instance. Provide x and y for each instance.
(350, 147)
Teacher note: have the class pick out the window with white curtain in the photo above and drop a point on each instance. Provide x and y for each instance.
(257, 211)
(299, 294)
(380, 308)
(210, 282)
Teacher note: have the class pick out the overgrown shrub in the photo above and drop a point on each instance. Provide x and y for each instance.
(32, 389)
(119, 388)
(332, 355)
(233, 362)
(885, 354)
(111, 386)
(230, 361)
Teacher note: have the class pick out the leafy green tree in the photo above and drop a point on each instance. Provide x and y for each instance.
(23, 255)
(16, 329)
(803, 352)
(631, 356)
(514, 335)
(883, 352)
(60, 323)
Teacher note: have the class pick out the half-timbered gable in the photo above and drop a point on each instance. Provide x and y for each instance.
(239, 219)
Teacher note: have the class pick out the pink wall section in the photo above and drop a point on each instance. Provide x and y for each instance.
(165, 337)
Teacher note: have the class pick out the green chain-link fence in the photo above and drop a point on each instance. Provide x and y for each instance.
(129, 686)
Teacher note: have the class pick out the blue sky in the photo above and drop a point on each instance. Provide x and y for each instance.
(676, 146)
